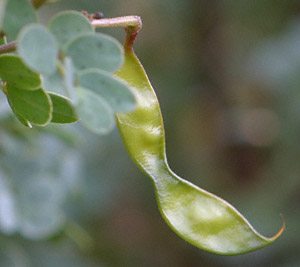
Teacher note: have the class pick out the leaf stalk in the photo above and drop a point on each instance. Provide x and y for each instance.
(132, 25)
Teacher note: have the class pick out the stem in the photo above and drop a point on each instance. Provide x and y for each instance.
(38, 3)
(8, 47)
(127, 21)
(132, 25)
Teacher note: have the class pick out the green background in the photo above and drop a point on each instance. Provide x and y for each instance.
(227, 77)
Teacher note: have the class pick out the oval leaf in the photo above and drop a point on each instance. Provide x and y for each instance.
(22, 120)
(112, 89)
(2, 10)
(63, 111)
(37, 47)
(39, 201)
(94, 112)
(14, 71)
(68, 24)
(32, 105)
(92, 50)
(53, 83)
(17, 13)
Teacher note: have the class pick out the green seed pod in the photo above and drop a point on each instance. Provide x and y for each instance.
(201, 218)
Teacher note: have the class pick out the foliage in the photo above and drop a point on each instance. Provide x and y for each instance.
(55, 56)
(58, 74)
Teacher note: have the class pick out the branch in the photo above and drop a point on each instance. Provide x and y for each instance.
(132, 25)
(127, 21)
(8, 47)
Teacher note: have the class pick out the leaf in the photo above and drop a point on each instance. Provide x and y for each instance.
(38, 49)
(116, 92)
(95, 50)
(68, 24)
(3, 39)
(22, 120)
(17, 14)
(2, 10)
(33, 105)
(40, 203)
(63, 111)
(94, 112)
(69, 78)
(53, 83)
(14, 71)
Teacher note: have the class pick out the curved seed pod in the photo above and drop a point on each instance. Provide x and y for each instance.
(201, 218)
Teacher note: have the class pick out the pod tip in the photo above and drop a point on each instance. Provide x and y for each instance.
(281, 229)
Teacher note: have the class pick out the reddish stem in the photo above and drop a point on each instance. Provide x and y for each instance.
(132, 25)
(6, 48)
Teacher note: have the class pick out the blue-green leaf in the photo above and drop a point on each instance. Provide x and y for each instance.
(116, 92)
(69, 78)
(94, 112)
(2, 10)
(92, 50)
(53, 83)
(38, 49)
(68, 24)
(16, 14)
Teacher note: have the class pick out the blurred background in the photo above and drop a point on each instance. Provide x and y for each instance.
(227, 74)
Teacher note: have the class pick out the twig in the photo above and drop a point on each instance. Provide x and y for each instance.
(132, 25)
(127, 21)
(6, 48)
